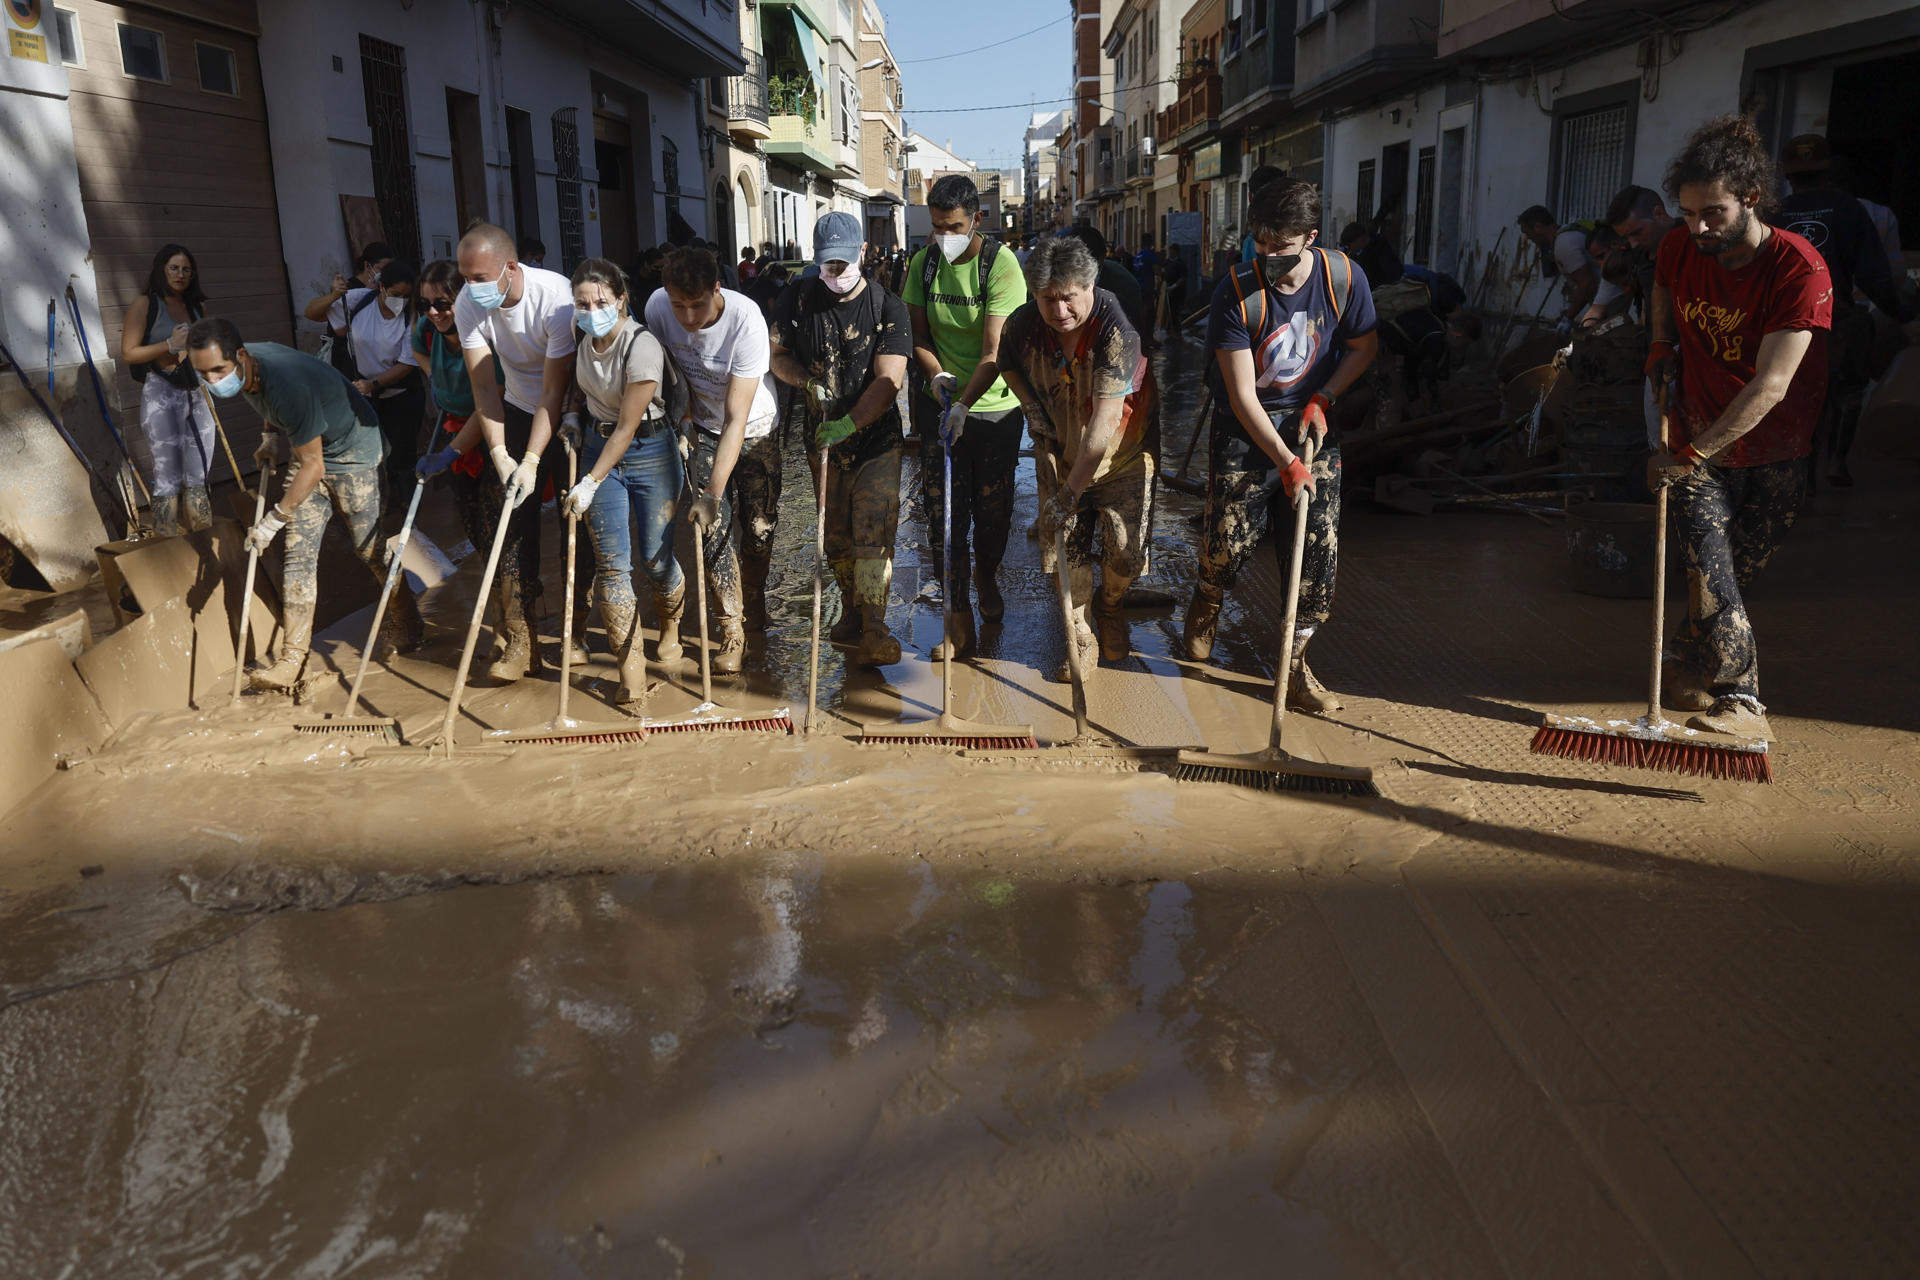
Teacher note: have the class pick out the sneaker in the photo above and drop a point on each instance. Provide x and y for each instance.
(1734, 716)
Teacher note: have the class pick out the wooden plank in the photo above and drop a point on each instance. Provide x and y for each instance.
(50, 714)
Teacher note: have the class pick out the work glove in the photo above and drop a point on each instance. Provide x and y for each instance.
(434, 463)
(272, 450)
(525, 478)
(262, 535)
(502, 462)
(705, 513)
(1293, 478)
(1059, 510)
(1661, 362)
(818, 395)
(832, 433)
(1314, 417)
(177, 340)
(1666, 466)
(945, 388)
(569, 431)
(953, 424)
(580, 498)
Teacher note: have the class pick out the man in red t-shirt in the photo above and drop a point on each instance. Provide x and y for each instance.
(1743, 309)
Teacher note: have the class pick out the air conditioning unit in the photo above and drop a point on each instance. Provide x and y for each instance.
(1146, 146)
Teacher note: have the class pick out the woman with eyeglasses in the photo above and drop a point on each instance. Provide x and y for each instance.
(174, 415)
(436, 346)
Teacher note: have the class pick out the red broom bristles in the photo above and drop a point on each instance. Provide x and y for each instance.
(1699, 759)
(774, 724)
(1028, 743)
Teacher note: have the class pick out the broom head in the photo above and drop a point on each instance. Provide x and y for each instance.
(710, 718)
(1660, 745)
(572, 733)
(380, 728)
(952, 731)
(1273, 770)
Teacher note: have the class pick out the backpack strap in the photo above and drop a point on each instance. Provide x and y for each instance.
(928, 266)
(361, 305)
(1337, 270)
(1251, 291)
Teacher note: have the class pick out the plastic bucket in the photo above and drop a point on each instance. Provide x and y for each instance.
(1610, 549)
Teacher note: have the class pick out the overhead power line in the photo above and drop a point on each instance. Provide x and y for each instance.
(1022, 106)
(942, 57)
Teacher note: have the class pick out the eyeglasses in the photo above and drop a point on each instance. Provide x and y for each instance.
(440, 304)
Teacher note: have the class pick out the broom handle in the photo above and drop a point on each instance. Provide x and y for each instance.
(819, 555)
(473, 628)
(1066, 616)
(946, 571)
(1285, 664)
(232, 465)
(1659, 576)
(566, 623)
(1200, 424)
(397, 547)
(246, 596)
(700, 601)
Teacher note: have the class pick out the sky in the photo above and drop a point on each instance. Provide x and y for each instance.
(1037, 65)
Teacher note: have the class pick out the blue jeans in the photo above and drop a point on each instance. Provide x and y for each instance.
(640, 496)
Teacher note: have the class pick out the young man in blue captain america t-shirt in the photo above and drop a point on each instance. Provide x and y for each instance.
(1292, 332)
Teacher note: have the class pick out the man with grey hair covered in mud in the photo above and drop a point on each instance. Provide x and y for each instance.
(1074, 361)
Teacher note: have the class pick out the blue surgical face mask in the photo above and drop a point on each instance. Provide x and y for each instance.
(228, 387)
(597, 323)
(488, 296)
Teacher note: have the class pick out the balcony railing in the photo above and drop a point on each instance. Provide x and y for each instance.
(1197, 107)
(1133, 161)
(747, 92)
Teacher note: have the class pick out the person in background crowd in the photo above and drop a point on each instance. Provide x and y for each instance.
(1115, 276)
(1373, 252)
(959, 300)
(388, 372)
(174, 415)
(531, 251)
(328, 437)
(790, 252)
(1146, 271)
(718, 340)
(1261, 177)
(1563, 252)
(1740, 316)
(1173, 270)
(1638, 215)
(747, 268)
(1885, 221)
(436, 348)
(330, 308)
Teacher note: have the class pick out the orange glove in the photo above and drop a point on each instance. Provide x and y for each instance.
(1660, 363)
(1295, 478)
(1314, 417)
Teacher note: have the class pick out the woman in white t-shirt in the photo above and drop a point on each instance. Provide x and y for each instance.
(381, 323)
(634, 472)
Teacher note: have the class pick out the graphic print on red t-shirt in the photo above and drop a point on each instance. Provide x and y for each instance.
(1720, 317)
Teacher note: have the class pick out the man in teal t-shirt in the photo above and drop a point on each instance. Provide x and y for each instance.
(967, 408)
(329, 438)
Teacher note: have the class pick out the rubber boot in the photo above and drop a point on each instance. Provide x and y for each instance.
(166, 515)
(196, 508)
(753, 590)
(403, 630)
(733, 647)
(993, 606)
(1116, 641)
(519, 656)
(847, 630)
(872, 579)
(620, 619)
(960, 627)
(667, 608)
(1304, 690)
(1682, 688)
(296, 637)
(1203, 616)
(582, 615)
(1735, 716)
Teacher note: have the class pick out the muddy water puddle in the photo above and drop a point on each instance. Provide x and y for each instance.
(775, 1066)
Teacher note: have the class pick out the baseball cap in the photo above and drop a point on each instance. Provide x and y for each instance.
(1806, 153)
(837, 238)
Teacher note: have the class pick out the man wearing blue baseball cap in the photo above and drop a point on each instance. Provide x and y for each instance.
(844, 340)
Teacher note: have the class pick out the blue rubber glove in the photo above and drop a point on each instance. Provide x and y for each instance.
(434, 463)
(832, 433)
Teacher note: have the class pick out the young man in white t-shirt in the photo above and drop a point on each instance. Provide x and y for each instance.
(524, 316)
(718, 338)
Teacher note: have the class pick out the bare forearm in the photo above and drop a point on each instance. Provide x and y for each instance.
(732, 437)
(1753, 403)
(1353, 365)
(929, 362)
(874, 401)
(305, 479)
(787, 368)
(1102, 434)
(985, 374)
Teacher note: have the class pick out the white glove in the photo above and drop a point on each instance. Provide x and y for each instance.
(177, 340)
(502, 462)
(262, 535)
(273, 449)
(580, 498)
(944, 386)
(525, 478)
(954, 423)
(570, 431)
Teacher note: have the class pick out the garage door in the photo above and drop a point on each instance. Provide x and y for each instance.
(169, 128)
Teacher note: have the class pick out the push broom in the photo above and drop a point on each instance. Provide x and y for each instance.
(562, 731)
(1653, 741)
(947, 729)
(1273, 769)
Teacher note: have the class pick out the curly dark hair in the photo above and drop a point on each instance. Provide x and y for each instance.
(1729, 150)
(1284, 208)
(690, 271)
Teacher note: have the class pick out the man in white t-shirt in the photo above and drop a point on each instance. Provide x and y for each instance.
(718, 338)
(1579, 273)
(524, 316)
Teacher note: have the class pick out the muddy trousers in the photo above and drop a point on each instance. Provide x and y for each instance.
(1729, 520)
(520, 554)
(723, 560)
(357, 496)
(1245, 499)
(463, 483)
(863, 515)
(983, 464)
(180, 434)
(1118, 508)
(637, 503)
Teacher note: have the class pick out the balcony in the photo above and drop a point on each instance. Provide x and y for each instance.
(1359, 52)
(1133, 162)
(1195, 111)
(747, 114)
(802, 142)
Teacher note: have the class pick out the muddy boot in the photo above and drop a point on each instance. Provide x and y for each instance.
(196, 508)
(1116, 641)
(872, 579)
(519, 655)
(621, 633)
(166, 514)
(753, 591)
(1736, 716)
(1304, 690)
(296, 637)
(993, 606)
(960, 627)
(1089, 648)
(582, 615)
(667, 608)
(847, 630)
(1681, 686)
(403, 630)
(733, 648)
(1203, 616)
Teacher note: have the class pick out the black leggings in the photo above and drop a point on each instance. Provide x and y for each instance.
(983, 465)
(400, 422)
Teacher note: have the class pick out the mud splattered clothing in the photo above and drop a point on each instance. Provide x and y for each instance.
(1102, 361)
(520, 556)
(837, 340)
(723, 561)
(1296, 344)
(1730, 521)
(179, 431)
(863, 517)
(358, 496)
(1120, 510)
(983, 466)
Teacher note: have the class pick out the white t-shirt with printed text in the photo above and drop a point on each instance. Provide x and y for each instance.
(734, 346)
(525, 335)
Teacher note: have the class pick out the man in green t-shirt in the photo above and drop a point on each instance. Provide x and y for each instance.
(956, 338)
(328, 437)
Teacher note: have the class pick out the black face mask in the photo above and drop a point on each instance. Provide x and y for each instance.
(1274, 267)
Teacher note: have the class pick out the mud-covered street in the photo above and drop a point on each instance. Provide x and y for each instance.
(725, 1004)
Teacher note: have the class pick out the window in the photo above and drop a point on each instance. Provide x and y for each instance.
(1310, 10)
(217, 71)
(1363, 193)
(143, 53)
(1593, 162)
(1423, 208)
(66, 24)
(1257, 16)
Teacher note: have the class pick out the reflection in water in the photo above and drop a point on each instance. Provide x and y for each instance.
(781, 1068)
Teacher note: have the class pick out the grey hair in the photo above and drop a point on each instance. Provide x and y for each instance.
(1061, 260)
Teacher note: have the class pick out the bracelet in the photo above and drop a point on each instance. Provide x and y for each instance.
(285, 516)
(1328, 396)
(1691, 453)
